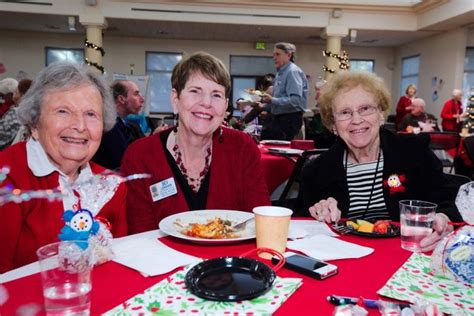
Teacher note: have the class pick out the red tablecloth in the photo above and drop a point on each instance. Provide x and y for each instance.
(276, 169)
(114, 283)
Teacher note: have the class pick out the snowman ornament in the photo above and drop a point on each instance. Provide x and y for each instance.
(79, 225)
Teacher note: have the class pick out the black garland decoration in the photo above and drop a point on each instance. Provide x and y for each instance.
(343, 60)
(94, 46)
(96, 65)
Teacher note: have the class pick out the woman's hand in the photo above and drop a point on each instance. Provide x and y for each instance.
(441, 228)
(326, 211)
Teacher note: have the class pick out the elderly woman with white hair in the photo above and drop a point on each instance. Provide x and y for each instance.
(7, 89)
(67, 109)
(451, 114)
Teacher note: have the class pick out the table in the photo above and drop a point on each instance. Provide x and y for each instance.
(114, 283)
(276, 168)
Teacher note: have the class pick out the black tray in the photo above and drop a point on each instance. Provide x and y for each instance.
(394, 231)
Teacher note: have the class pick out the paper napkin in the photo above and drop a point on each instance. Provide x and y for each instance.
(323, 247)
(146, 254)
(308, 228)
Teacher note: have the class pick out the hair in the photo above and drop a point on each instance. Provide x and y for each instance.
(346, 80)
(118, 88)
(418, 102)
(24, 85)
(266, 82)
(287, 48)
(202, 63)
(411, 85)
(61, 76)
(8, 85)
(457, 92)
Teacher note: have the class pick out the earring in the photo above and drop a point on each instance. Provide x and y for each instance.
(221, 138)
(176, 122)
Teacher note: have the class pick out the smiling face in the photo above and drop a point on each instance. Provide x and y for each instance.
(70, 126)
(359, 132)
(201, 105)
(280, 57)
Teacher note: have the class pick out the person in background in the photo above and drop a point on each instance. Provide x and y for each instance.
(287, 102)
(419, 118)
(350, 180)
(66, 110)
(451, 114)
(10, 127)
(7, 89)
(199, 164)
(128, 100)
(404, 104)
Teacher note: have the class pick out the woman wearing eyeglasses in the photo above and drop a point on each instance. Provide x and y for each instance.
(369, 169)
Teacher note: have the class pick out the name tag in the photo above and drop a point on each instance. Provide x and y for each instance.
(163, 189)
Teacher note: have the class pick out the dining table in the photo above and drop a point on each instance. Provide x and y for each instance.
(276, 168)
(113, 284)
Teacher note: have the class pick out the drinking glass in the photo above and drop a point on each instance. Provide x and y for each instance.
(416, 222)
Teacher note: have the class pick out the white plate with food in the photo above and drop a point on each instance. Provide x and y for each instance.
(209, 226)
(275, 142)
(285, 151)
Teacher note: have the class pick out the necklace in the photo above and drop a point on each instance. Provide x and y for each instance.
(194, 183)
(373, 182)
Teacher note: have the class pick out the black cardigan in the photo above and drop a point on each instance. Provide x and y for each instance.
(407, 156)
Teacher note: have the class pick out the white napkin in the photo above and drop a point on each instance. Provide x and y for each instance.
(308, 228)
(323, 247)
(148, 255)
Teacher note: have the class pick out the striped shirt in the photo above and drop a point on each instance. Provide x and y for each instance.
(360, 181)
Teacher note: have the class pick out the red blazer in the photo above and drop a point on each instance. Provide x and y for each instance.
(402, 104)
(236, 181)
(29, 225)
(449, 122)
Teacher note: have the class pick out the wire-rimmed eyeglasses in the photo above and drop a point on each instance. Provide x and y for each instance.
(348, 114)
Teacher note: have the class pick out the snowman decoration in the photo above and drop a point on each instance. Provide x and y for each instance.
(79, 225)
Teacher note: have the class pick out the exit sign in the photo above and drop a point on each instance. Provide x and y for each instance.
(260, 45)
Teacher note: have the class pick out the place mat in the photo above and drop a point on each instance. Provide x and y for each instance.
(170, 297)
(415, 281)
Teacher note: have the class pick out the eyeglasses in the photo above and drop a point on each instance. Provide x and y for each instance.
(348, 114)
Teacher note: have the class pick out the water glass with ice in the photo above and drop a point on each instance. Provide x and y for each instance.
(66, 277)
(416, 222)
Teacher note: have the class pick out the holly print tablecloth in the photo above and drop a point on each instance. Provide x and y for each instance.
(170, 297)
(415, 281)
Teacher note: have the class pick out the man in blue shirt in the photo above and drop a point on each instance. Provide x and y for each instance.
(290, 92)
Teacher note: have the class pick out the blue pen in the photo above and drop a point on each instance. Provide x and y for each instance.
(342, 300)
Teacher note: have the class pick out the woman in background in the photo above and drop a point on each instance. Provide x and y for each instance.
(404, 104)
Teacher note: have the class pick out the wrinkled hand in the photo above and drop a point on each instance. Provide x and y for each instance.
(441, 228)
(326, 211)
(160, 128)
(266, 98)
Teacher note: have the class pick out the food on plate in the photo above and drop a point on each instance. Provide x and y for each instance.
(216, 228)
(381, 227)
(254, 91)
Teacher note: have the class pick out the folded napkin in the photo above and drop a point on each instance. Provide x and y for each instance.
(415, 281)
(308, 228)
(323, 247)
(146, 254)
(170, 297)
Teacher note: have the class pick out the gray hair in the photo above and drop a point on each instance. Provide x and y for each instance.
(8, 85)
(287, 48)
(61, 76)
(418, 102)
(457, 92)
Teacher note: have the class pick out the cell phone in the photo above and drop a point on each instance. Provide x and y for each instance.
(308, 266)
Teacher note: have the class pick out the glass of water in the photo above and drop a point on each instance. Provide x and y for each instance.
(416, 222)
(66, 277)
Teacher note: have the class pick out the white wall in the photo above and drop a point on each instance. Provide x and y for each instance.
(24, 51)
(441, 56)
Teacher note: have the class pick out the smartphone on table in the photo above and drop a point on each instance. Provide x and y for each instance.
(308, 266)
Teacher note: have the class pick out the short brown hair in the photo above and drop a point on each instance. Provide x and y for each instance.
(411, 85)
(200, 63)
(24, 85)
(346, 80)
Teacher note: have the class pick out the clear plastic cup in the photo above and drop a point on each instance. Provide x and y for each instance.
(416, 222)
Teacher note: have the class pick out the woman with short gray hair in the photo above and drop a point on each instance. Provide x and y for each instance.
(67, 109)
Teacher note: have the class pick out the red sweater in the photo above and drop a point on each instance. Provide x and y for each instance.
(402, 105)
(449, 122)
(236, 181)
(29, 225)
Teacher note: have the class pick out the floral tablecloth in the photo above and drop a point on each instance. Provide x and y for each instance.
(170, 297)
(414, 281)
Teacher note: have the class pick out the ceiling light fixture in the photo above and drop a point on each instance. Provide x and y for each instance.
(352, 36)
(71, 21)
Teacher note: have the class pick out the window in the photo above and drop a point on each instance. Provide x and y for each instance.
(54, 54)
(468, 82)
(362, 64)
(410, 69)
(245, 72)
(159, 67)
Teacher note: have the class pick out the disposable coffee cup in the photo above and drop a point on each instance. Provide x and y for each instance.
(271, 225)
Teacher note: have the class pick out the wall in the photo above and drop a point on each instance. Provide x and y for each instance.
(25, 51)
(441, 56)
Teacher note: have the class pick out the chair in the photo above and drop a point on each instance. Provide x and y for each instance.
(469, 145)
(448, 141)
(285, 200)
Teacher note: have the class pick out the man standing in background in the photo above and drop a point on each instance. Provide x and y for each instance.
(288, 100)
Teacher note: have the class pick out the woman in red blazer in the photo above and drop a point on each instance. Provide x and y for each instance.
(198, 164)
(451, 114)
(404, 104)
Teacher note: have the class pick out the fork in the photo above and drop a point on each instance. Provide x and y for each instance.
(341, 229)
(242, 225)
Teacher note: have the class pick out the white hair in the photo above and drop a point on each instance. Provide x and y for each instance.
(418, 102)
(457, 92)
(8, 85)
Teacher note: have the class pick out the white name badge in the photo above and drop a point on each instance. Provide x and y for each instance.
(163, 189)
